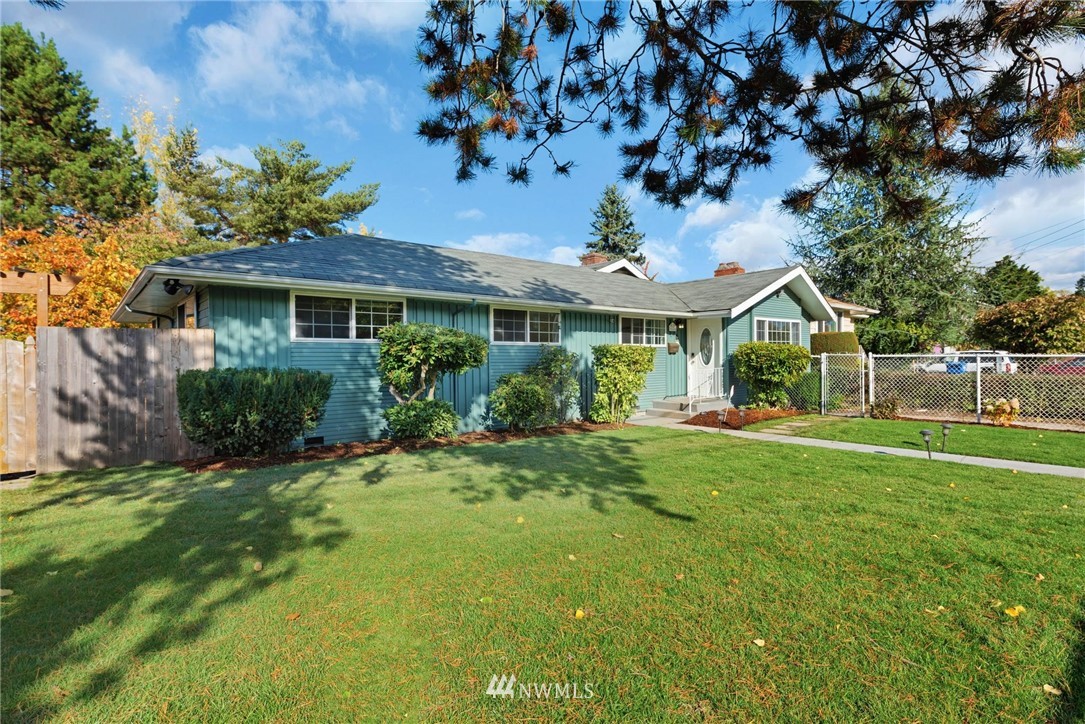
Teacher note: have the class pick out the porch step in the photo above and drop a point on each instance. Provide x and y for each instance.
(666, 413)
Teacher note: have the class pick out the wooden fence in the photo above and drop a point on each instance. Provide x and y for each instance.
(19, 406)
(107, 397)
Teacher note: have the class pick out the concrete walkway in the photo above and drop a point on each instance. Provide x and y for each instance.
(1018, 465)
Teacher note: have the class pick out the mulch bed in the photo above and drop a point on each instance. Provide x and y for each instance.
(380, 447)
(711, 418)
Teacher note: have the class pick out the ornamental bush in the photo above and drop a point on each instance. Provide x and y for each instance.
(621, 372)
(834, 343)
(1049, 324)
(414, 357)
(523, 401)
(422, 419)
(557, 369)
(252, 411)
(769, 369)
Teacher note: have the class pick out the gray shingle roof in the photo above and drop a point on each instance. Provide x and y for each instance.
(411, 267)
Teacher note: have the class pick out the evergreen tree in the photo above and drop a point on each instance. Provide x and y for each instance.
(916, 271)
(1079, 288)
(701, 93)
(614, 231)
(286, 196)
(56, 159)
(1007, 281)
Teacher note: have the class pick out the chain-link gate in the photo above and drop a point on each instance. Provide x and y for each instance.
(969, 387)
(834, 385)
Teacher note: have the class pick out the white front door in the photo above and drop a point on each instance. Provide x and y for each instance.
(705, 358)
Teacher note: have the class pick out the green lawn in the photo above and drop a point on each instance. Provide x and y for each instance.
(1037, 446)
(395, 587)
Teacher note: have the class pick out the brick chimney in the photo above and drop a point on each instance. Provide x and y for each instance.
(727, 268)
(593, 257)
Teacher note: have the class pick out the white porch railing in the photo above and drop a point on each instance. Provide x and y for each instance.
(711, 386)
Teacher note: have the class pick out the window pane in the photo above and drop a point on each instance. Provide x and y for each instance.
(510, 325)
(761, 335)
(655, 332)
(627, 330)
(544, 327)
(321, 317)
(370, 317)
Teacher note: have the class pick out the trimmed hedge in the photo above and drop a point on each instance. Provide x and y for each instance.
(834, 343)
(523, 401)
(770, 369)
(253, 411)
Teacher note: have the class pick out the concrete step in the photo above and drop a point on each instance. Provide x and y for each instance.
(678, 404)
(669, 414)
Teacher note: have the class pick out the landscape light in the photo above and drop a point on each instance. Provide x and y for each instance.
(927, 440)
(946, 427)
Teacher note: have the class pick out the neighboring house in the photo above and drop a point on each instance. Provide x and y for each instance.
(319, 304)
(844, 316)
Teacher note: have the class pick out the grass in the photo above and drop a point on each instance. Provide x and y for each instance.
(1037, 446)
(396, 586)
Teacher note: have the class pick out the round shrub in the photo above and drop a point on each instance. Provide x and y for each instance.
(524, 401)
(252, 411)
(621, 371)
(769, 369)
(422, 419)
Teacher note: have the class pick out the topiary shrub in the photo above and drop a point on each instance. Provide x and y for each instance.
(413, 359)
(252, 411)
(769, 369)
(422, 419)
(621, 372)
(834, 343)
(523, 401)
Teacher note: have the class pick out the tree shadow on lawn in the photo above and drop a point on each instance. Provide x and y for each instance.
(182, 561)
(603, 468)
(1071, 706)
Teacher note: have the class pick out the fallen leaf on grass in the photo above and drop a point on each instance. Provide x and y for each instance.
(5, 592)
(486, 599)
(51, 573)
(953, 485)
(520, 520)
(248, 548)
(258, 566)
(760, 643)
(572, 557)
(1014, 611)
(1039, 576)
(1052, 690)
(679, 576)
(617, 535)
(715, 493)
(579, 613)
(293, 616)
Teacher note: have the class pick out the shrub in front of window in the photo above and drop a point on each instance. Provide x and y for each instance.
(413, 359)
(523, 401)
(423, 419)
(251, 411)
(621, 372)
(834, 343)
(769, 369)
(557, 369)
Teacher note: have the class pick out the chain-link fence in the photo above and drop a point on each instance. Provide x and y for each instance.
(1045, 390)
(970, 386)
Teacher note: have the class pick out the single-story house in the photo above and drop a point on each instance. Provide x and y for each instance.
(319, 304)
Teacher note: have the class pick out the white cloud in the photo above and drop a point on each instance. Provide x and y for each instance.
(509, 243)
(662, 258)
(750, 231)
(565, 255)
(471, 215)
(270, 60)
(127, 76)
(240, 154)
(386, 18)
(708, 214)
(1034, 217)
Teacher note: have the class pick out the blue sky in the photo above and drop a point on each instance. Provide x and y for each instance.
(342, 78)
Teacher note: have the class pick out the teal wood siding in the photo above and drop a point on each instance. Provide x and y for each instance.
(741, 329)
(203, 308)
(676, 366)
(357, 399)
(580, 331)
(655, 387)
(252, 326)
(469, 392)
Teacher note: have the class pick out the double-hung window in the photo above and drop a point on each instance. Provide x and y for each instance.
(651, 332)
(343, 317)
(778, 331)
(526, 326)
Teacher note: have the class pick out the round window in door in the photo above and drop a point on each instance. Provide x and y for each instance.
(706, 347)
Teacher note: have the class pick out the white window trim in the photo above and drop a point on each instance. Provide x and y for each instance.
(353, 329)
(789, 322)
(519, 308)
(634, 344)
